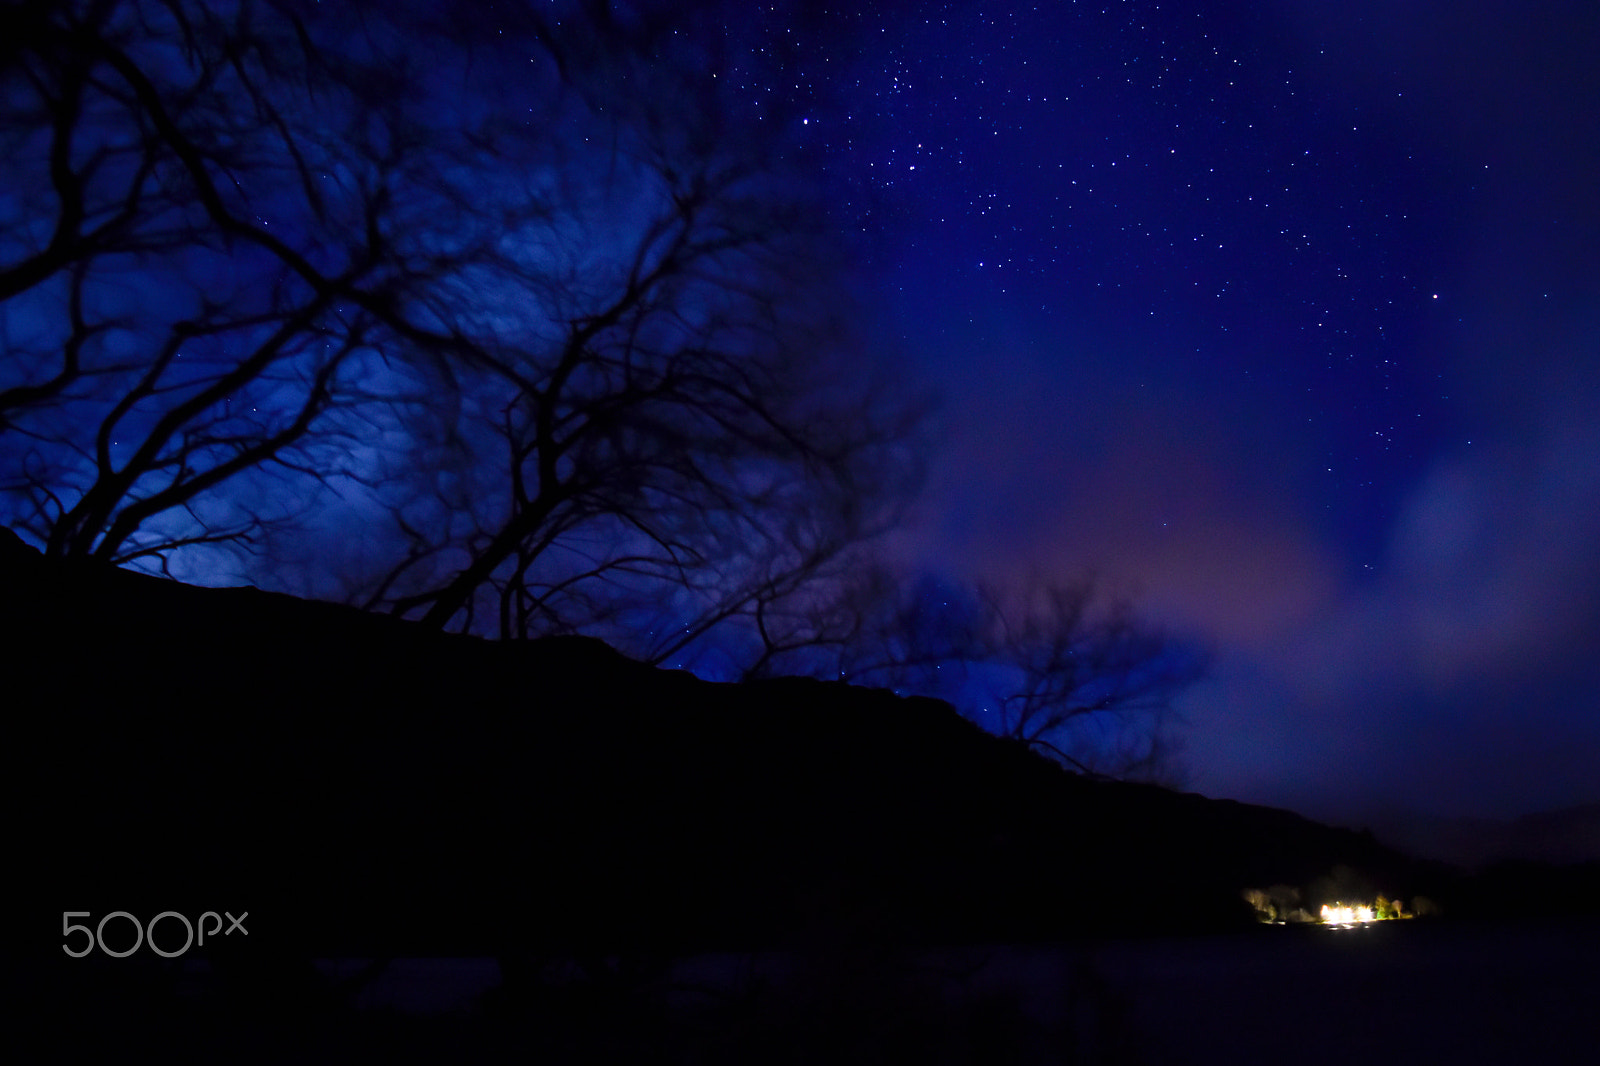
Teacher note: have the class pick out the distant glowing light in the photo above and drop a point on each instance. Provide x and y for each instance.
(1339, 914)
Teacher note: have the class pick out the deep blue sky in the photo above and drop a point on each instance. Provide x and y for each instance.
(1281, 316)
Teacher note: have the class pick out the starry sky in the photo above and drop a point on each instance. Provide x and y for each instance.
(1280, 317)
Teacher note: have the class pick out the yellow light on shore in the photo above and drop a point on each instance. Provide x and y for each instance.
(1339, 914)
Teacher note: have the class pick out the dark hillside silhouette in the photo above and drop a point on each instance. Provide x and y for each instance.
(365, 786)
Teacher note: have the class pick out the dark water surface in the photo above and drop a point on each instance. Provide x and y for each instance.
(1398, 992)
(1391, 992)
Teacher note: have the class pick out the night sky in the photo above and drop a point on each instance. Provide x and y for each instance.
(1279, 317)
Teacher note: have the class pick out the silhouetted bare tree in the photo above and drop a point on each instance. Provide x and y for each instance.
(532, 309)
(1056, 666)
(675, 434)
(238, 271)
(216, 245)
(1086, 680)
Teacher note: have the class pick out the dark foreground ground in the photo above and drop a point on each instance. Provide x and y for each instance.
(1440, 993)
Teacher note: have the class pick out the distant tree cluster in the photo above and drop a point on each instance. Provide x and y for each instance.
(1343, 889)
(517, 325)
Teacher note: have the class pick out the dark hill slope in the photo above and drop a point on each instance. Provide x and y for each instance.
(361, 785)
